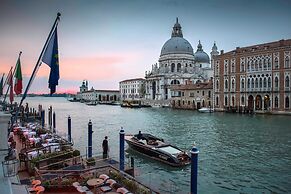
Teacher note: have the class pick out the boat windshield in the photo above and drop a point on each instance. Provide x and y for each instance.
(170, 150)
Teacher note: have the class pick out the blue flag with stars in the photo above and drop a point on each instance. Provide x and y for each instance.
(51, 58)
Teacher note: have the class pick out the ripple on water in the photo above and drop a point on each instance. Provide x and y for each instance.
(238, 153)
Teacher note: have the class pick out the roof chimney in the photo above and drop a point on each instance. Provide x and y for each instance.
(221, 52)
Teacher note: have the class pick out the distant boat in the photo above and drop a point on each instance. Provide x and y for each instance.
(206, 110)
(157, 149)
(131, 104)
(92, 103)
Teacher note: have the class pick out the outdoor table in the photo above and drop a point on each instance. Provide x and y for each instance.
(94, 183)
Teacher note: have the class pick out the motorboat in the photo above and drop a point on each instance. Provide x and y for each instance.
(92, 103)
(157, 149)
(131, 104)
(206, 110)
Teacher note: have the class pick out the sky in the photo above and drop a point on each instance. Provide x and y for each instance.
(107, 41)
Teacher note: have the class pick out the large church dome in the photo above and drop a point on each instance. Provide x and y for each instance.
(177, 44)
(200, 56)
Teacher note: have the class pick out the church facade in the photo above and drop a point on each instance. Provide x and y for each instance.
(177, 65)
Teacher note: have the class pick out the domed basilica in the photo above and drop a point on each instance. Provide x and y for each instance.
(177, 64)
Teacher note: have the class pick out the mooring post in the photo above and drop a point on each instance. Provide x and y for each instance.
(69, 130)
(54, 122)
(121, 149)
(42, 113)
(194, 169)
(90, 139)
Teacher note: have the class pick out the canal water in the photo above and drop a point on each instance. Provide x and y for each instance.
(238, 153)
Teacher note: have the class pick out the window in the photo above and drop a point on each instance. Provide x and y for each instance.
(256, 83)
(276, 102)
(265, 64)
(209, 94)
(287, 102)
(232, 84)
(249, 83)
(178, 67)
(287, 81)
(242, 83)
(253, 83)
(172, 67)
(217, 69)
(203, 93)
(260, 83)
(287, 62)
(225, 66)
(276, 82)
(225, 100)
(216, 100)
(269, 63)
(276, 63)
(260, 65)
(242, 100)
(242, 67)
(226, 84)
(217, 84)
(265, 82)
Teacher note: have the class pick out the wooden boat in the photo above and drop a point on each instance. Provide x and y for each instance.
(157, 149)
(205, 110)
(131, 104)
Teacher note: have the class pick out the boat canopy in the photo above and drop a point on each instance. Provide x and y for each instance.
(171, 150)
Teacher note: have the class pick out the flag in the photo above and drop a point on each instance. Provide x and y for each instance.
(18, 78)
(51, 58)
(10, 83)
(7, 78)
(1, 86)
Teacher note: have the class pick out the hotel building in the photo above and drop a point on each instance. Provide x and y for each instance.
(132, 89)
(254, 78)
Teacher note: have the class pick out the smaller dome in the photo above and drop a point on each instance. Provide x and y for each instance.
(200, 56)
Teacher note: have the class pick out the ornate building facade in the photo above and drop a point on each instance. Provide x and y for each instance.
(97, 95)
(256, 78)
(192, 96)
(131, 89)
(177, 64)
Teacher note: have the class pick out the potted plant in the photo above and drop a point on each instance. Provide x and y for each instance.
(91, 161)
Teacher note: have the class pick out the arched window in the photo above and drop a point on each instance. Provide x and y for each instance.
(265, 82)
(242, 66)
(178, 67)
(225, 100)
(216, 100)
(225, 68)
(260, 65)
(269, 82)
(209, 94)
(256, 65)
(243, 83)
(232, 67)
(276, 63)
(232, 101)
(242, 100)
(287, 62)
(287, 81)
(269, 64)
(256, 83)
(172, 67)
(226, 84)
(276, 82)
(232, 84)
(217, 84)
(260, 83)
(249, 66)
(265, 64)
(287, 102)
(253, 83)
(249, 83)
(217, 69)
(276, 102)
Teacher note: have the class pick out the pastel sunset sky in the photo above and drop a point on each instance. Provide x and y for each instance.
(112, 40)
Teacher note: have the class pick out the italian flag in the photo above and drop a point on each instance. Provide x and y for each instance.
(18, 78)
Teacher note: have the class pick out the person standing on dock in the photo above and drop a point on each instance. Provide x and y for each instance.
(105, 147)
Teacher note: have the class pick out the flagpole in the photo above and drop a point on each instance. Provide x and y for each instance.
(12, 76)
(2, 84)
(38, 63)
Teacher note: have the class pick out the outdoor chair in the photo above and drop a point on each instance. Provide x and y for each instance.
(104, 177)
(122, 190)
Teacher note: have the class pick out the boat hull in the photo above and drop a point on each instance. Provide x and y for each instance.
(155, 154)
